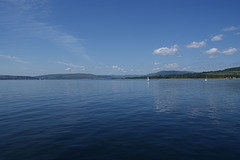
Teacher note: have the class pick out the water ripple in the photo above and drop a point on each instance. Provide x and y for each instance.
(119, 119)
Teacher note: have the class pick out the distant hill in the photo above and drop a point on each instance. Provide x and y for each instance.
(66, 76)
(7, 77)
(83, 76)
(73, 76)
(124, 76)
(162, 73)
(227, 73)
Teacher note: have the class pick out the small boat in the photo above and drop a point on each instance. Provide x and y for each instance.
(205, 79)
(147, 79)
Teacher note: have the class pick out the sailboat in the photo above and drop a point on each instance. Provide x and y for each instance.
(205, 79)
(147, 79)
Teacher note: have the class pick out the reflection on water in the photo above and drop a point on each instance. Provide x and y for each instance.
(195, 97)
(166, 95)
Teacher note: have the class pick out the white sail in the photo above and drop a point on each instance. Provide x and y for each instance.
(205, 79)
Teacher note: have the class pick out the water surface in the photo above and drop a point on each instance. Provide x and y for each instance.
(119, 119)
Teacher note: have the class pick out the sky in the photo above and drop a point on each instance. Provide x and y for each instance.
(120, 37)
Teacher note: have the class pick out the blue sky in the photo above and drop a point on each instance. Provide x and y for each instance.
(118, 36)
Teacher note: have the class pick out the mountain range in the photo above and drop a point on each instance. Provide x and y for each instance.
(227, 73)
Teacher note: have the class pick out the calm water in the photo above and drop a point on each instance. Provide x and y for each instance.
(120, 119)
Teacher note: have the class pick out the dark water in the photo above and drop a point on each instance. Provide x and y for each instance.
(120, 119)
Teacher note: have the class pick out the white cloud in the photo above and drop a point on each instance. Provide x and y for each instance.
(186, 68)
(116, 68)
(70, 64)
(238, 33)
(15, 59)
(196, 44)
(166, 51)
(171, 66)
(217, 37)
(77, 67)
(233, 28)
(212, 51)
(156, 69)
(229, 51)
(156, 63)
